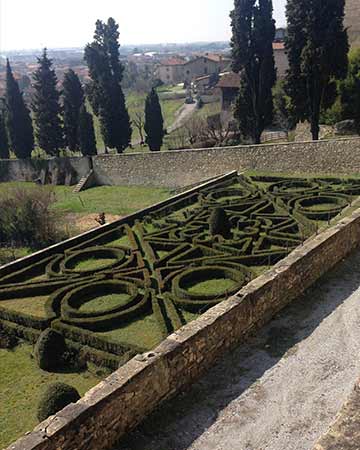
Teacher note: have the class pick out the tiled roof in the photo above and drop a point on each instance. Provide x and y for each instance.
(229, 80)
(278, 46)
(173, 62)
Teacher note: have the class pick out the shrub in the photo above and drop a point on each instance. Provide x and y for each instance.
(27, 219)
(55, 398)
(219, 223)
(50, 349)
(7, 340)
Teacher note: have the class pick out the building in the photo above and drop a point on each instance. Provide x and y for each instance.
(177, 70)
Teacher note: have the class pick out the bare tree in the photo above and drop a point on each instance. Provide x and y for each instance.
(139, 122)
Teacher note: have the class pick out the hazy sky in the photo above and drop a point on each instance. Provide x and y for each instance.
(70, 23)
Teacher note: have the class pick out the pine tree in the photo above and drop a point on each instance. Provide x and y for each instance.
(105, 93)
(253, 33)
(317, 47)
(73, 96)
(86, 133)
(46, 107)
(4, 141)
(154, 122)
(18, 120)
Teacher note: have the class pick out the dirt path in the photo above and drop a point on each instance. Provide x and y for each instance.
(184, 113)
(87, 222)
(281, 390)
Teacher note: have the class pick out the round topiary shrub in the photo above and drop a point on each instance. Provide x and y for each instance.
(55, 398)
(50, 349)
(219, 223)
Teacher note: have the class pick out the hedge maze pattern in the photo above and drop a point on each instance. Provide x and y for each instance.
(124, 290)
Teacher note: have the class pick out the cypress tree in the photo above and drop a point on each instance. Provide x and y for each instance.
(253, 31)
(73, 97)
(105, 93)
(86, 133)
(46, 107)
(4, 141)
(154, 122)
(317, 47)
(19, 124)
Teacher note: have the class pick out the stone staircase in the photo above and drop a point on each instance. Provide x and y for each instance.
(82, 183)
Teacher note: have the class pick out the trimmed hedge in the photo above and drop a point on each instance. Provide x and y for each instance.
(55, 398)
(260, 226)
(49, 350)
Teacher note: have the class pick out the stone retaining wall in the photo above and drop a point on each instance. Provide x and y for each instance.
(186, 167)
(126, 397)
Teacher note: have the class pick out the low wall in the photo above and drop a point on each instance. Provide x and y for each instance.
(186, 167)
(126, 397)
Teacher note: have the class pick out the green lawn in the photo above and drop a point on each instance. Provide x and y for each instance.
(104, 303)
(121, 200)
(216, 286)
(21, 386)
(94, 264)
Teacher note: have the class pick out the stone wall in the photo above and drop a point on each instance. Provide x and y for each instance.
(186, 167)
(49, 171)
(126, 397)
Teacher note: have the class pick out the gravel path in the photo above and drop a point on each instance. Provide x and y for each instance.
(281, 390)
(184, 113)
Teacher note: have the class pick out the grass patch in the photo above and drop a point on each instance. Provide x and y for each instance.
(144, 332)
(216, 286)
(34, 306)
(104, 302)
(94, 264)
(121, 200)
(21, 386)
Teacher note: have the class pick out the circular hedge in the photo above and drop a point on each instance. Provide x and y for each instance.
(55, 398)
(198, 301)
(49, 350)
(133, 307)
(70, 262)
(332, 206)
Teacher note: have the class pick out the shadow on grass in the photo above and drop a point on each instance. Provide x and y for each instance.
(181, 421)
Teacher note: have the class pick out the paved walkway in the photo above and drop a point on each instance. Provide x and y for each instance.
(281, 390)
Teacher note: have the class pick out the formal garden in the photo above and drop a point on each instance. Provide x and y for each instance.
(89, 308)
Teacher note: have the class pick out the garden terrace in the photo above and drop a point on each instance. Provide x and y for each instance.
(122, 289)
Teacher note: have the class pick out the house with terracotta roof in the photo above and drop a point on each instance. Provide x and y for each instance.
(177, 70)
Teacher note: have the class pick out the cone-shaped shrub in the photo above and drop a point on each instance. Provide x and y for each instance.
(219, 223)
(49, 350)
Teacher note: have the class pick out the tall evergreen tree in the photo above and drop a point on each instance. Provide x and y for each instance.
(46, 107)
(253, 33)
(317, 47)
(73, 99)
(154, 122)
(19, 124)
(105, 93)
(4, 141)
(86, 133)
